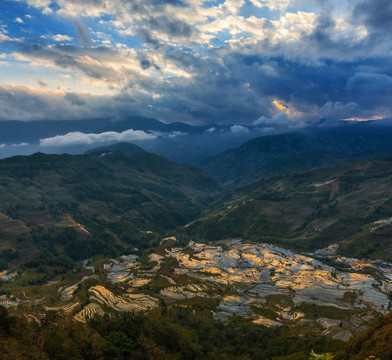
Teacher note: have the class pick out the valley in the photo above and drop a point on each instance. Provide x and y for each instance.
(319, 293)
(195, 180)
(120, 234)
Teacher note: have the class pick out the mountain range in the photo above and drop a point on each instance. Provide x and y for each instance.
(297, 151)
(93, 204)
(281, 244)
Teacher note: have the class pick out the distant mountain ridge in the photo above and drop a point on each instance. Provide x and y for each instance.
(300, 150)
(33, 131)
(123, 147)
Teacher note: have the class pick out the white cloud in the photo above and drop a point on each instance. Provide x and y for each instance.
(79, 138)
(21, 144)
(41, 4)
(60, 37)
(278, 119)
(210, 130)
(18, 20)
(2, 145)
(176, 134)
(261, 121)
(272, 4)
(234, 6)
(239, 129)
(4, 37)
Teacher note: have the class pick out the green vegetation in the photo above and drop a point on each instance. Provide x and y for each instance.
(309, 210)
(273, 155)
(83, 206)
(374, 344)
(123, 147)
(174, 333)
(314, 356)
(313, 311)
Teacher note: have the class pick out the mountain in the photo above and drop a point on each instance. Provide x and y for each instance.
(123, 147)
(33, 131)
(350, 204)
(287, 165)
(80, 206)
(375, 343)
(179, 142)
(177, 150)
(296, 151)
(96, 260)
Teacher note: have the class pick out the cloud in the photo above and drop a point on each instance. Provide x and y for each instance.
(2, 146)
(262, 120)
(278, 119)
(4, 37)
(376, 13)
(75, 99)
(174, 134)
(239, 129)
(208, 62)
(60, 37)
(369, 83)
(18, 102)
(20, 145)
(282, 117)
(79, 138)
(339, 109)
(19, 20)
(271, 4)
(83, 34)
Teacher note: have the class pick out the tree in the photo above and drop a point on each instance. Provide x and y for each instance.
(5, 321)
(326, 356)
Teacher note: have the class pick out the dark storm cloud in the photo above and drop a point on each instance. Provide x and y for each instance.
(91, 61)
(321, 34)
(25, 103)
(170, 26)
(323, 38)
(75, 99)
(369, 84)
(149, 39)
(65, 61)
(336, 87)
(314, 64)
(376, 13)
(146, 64)
(234, 88)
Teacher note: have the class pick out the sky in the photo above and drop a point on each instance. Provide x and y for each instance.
(249, 62)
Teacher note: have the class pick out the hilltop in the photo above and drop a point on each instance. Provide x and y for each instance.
(349, 204)
(80, 206)
(297, 151)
